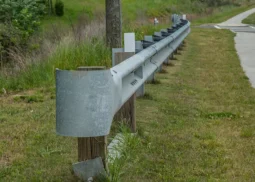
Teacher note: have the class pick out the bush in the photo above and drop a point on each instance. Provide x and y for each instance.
(19, 19)
(59, 8)
(12, 9)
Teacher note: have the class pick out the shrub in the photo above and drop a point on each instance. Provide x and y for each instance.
(11, 9)
(19, 19)
(59, 8)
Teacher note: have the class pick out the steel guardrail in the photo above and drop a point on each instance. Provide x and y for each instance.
(86, 101)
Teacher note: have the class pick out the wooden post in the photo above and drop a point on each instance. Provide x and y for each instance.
(92, 147)
(127, 112)
(113, 23)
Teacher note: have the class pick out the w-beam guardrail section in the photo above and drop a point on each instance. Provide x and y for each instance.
(88, 100)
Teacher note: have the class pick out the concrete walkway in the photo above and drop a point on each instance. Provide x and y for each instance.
(245, 42)
(237, 20)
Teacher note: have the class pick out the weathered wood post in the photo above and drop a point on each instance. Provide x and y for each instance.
(126, 113)
(114, 40)
(113, 23)
(92, 147)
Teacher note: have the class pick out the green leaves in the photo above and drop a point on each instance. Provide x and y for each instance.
(19, 19)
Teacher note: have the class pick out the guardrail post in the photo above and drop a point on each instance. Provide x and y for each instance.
(160, 68)
(139, 47)
(166, 62)
(92, 147)
(127, 111)
(150, 39)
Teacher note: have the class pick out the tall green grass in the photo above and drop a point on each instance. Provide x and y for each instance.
(129, 144)
(67, 57)
(95, 53)
(132, 9)
(73, 9)
(142, 30)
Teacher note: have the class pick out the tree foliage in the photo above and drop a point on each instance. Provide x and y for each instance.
(19, 19)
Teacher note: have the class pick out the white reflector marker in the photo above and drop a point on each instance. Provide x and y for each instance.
(129, 42)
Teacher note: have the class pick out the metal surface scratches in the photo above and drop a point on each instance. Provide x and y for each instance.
(84, 102)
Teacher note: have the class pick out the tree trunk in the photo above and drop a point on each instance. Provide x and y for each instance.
(50, 7)
(113, 23)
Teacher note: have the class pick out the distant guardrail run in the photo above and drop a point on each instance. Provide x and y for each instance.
(88, 100)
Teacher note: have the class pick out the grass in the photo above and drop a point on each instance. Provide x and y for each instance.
(223, 14)
(29, 148)
(195, 125)
(29, 98)
(127, 149)
(69, 56)
(148, 8)
(152, 8)
(200, 125)
(73, 9)
(250, 19)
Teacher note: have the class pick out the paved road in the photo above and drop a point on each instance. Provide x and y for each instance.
(245, 42)
(237, 20)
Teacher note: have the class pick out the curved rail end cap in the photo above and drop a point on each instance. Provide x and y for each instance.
(84, 103)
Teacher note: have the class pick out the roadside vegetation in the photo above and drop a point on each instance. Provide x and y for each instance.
(30, 61)
(199, 126)
(223, 14)
(196, 124)
(250, 20)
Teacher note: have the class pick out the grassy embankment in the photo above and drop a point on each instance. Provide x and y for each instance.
(224, 14)
(200, 126)
(69, 56)
(148, 8)
(250, 20)
(197, 124)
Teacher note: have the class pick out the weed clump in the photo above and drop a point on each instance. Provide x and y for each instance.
(163, 71)
(247, 133)
(156, 82)
(147, 96)
(221, 115)
(29, 98)
(3, 119)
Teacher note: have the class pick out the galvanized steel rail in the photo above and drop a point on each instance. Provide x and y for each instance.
(88, 100)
